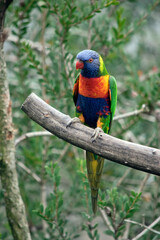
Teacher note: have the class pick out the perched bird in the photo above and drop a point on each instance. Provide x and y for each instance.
(95, 97)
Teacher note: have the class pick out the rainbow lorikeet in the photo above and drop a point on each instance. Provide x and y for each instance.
(95, 97)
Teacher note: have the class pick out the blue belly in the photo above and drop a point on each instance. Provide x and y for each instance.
(92, 108)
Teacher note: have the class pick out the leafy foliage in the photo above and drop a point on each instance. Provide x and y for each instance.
(53, 213)
(119, 207)
(46, 35)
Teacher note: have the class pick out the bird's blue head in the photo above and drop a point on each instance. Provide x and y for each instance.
(89, 63)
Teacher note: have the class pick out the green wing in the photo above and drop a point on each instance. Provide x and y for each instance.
(105, 122)
(113, 94)
(76, 89)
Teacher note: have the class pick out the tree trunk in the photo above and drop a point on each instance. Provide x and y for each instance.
(14, 204)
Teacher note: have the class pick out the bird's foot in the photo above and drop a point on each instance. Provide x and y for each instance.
(97, 133)
(73, 120)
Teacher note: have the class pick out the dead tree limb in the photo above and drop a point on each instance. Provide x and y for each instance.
(31, 134)
(46, 133)
(126, 153)
(144, 108)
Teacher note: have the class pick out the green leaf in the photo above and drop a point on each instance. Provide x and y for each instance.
(134, 194)
(126, 207)
(95, 233)
(60, 203)
(76, 236)
(89, 234)
(89, 17)
(41, 208)
(109, 232)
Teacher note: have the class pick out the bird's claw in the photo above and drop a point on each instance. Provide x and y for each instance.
(73, 120)
(96, 133)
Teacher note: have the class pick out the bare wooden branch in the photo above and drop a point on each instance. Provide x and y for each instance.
(129, 154)
(46, 133)
(147, 229)
(63, 152)
(143, 109)
(143, 183)
(31, 134)
(123, 177)
(28, 171)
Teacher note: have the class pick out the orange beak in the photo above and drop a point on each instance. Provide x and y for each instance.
(79, 64)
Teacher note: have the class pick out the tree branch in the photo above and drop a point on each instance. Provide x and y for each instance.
(147, 229)
(46, 133)
(143, 109)
(31, 134)
(27, 170)
(129, 154)
(143, 183)
(123, 177)
(143, 225)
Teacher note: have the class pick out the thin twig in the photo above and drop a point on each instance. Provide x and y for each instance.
(123, 177)
(143, 109)
(147, 228)
(105, 219)
(31, 134)
(126, 232)
(63, 152)
(128, 211)
(148, 118)
(28, 171)
(125, 236)
(143, 183)
(113, 216)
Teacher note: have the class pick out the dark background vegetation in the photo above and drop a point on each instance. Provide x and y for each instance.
(45, 37)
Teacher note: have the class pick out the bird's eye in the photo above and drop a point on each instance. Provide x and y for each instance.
(90, 60)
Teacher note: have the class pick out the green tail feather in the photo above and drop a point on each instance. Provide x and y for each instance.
(94, 169)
